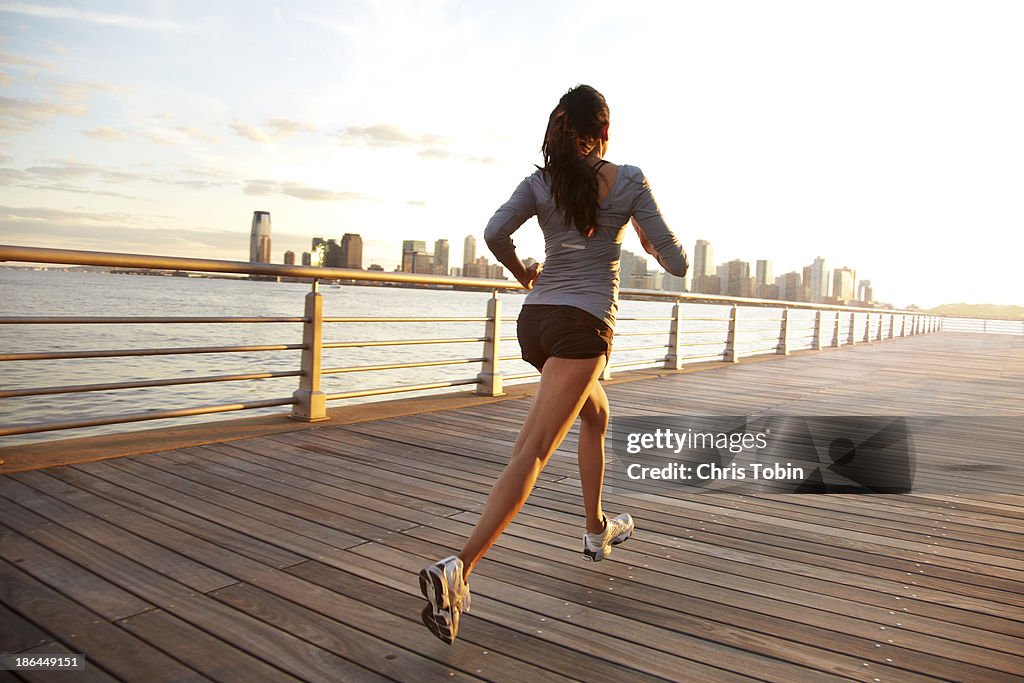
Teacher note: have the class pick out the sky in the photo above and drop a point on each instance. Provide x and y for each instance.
(882, 136)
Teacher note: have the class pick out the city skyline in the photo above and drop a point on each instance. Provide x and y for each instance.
(815, 283)
(777, 130)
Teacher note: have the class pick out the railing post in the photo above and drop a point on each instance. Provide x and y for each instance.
(783, 349)
(853, 329)
(490, 376)
(731, 352)
(816, 342)
(310, 402)
(867, 328)
(674, 360)
(892, 326)
(837, 340)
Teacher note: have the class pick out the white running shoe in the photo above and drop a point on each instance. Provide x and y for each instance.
(599, 546)
(448, 594)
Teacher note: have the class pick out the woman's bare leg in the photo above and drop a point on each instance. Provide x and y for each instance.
(593, 426)
(564, 386)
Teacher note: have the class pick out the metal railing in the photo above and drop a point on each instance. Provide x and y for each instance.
(689, 338)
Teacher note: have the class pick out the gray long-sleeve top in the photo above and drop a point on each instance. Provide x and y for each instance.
(579, 271)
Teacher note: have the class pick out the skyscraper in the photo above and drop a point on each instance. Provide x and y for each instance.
(409, 249)
(469, 250)
(764, 277)
(259, 237)
(843, 280)
(351, 251)
(289, 258)
(735, 278)
(703, 265)
(441, 257)
(790, 286)
(865, 294)
(819, 281)
(318, 251)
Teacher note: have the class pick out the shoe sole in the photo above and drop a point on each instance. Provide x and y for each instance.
(592, 555)
(437, 616)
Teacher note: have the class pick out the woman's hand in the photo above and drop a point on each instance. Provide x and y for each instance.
(530, 275)
(648, 247)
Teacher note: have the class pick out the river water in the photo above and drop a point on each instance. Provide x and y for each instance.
(27, 292)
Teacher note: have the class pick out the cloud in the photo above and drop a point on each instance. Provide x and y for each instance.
(287, 127)
(22, 114)
(176, 135)
(103, 133)
(280, 128)
(318, 194)
(25, 215)
(7, 58)
(379, 135)
(125, 233)
(77, 177)
(259, 188)
(251, 132)
(103, 18)
(417, 202)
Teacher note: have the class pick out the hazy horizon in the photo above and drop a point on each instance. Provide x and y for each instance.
(880, 136)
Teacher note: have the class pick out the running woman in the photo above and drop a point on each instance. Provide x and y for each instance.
(583, 204)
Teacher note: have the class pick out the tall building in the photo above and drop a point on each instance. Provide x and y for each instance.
(735, 278)
(422, 262)
(307, 258)
(632, 271)
(790, 287)
(703, 265)
(764, 278)
(441, 257)
(865, 294)
(289, 258)
(843, 280)
(469, 250)
(259, 237)
(330, 253)
(409, 248)
(351, 251)
(318, 251)
(819, 281)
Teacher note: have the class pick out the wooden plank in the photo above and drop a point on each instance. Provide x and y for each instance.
(296, 524)
(259, 639)
(90, 674)
(17, 634)
(914, 624)
(229, 539)
(109, 647)
(396, 663)
(602, 647)
(301, 545)
(215, 658)
(825, 650)
(193, 574)
(50, 568)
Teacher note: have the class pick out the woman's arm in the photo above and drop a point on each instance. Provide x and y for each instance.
(506, 220)
(655, 236)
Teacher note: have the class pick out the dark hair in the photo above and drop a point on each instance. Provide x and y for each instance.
(574, 127)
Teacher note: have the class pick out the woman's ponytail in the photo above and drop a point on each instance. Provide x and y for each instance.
(574, 127)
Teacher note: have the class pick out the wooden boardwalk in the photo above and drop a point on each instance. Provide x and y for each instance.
(294, 556)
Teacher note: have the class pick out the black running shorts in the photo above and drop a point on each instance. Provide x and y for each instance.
(547, 331)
